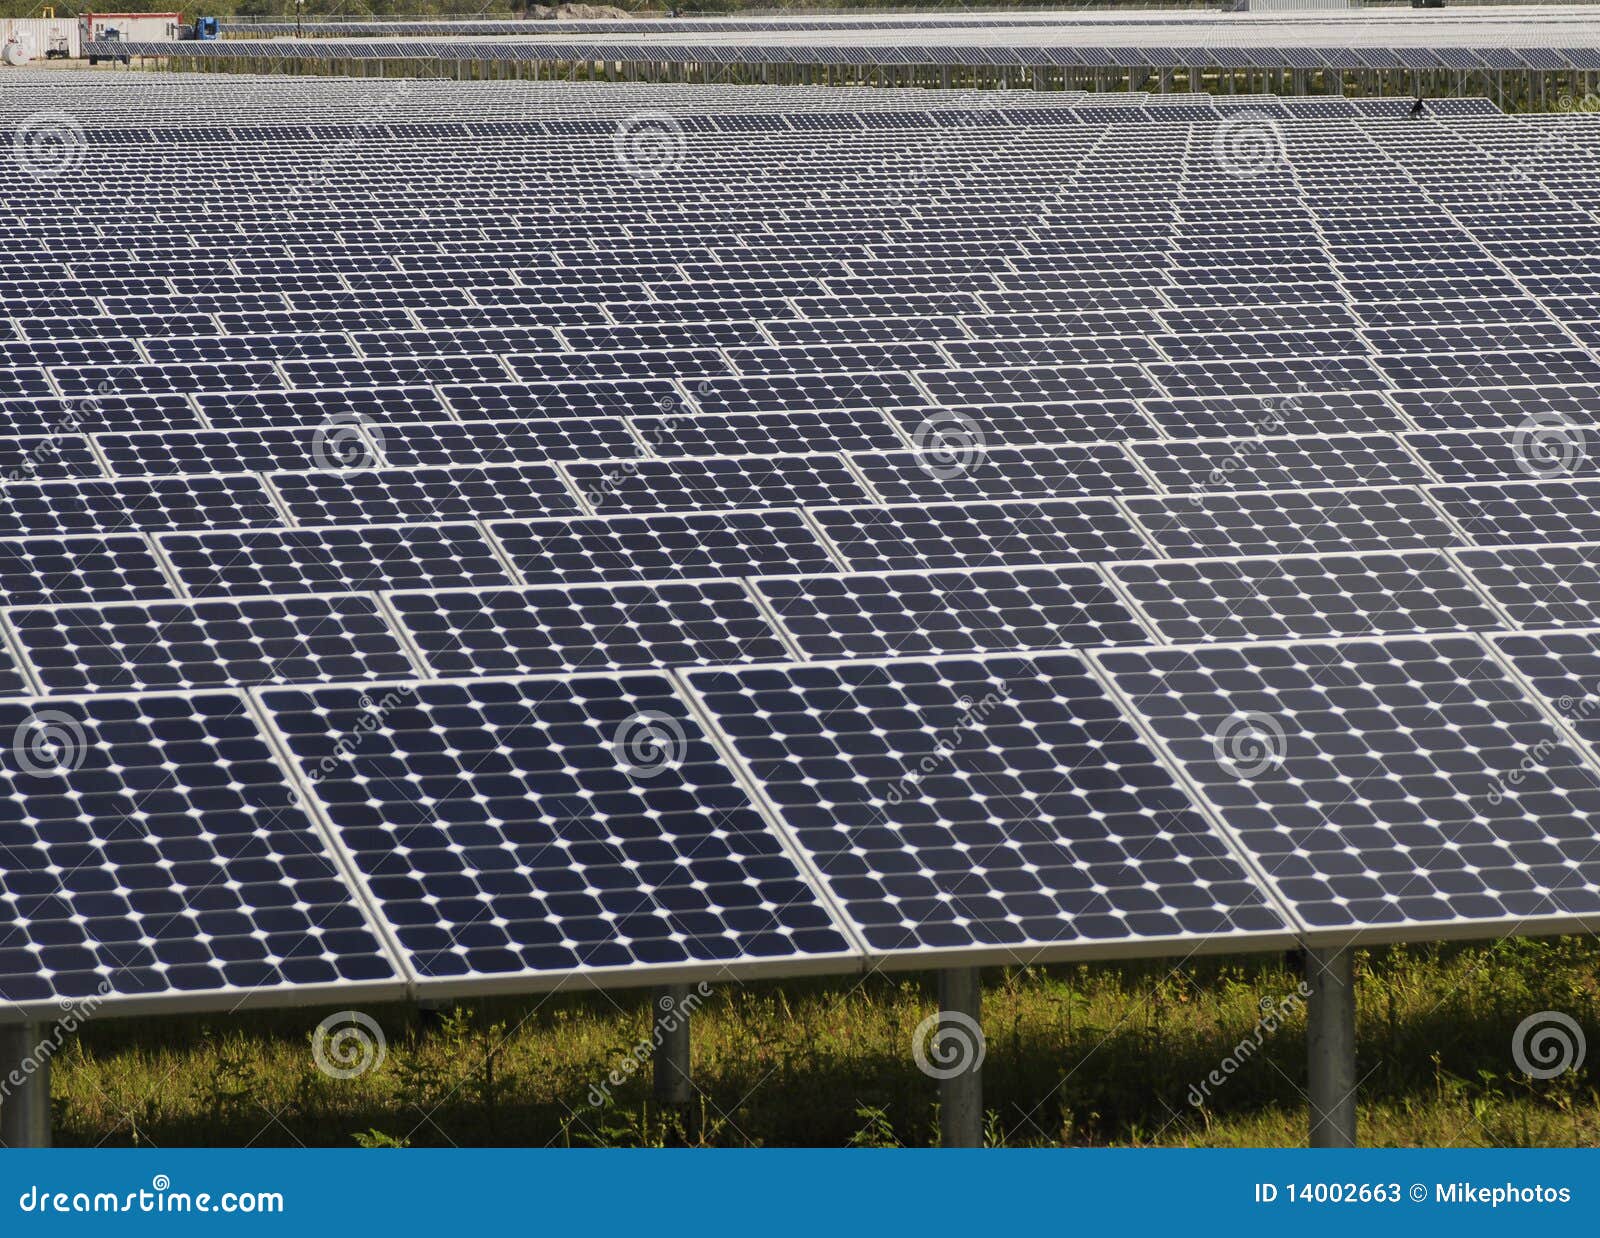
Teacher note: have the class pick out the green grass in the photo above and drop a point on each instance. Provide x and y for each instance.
(1090, 1055)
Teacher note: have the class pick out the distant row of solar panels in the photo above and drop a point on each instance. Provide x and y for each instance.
(808, 122)
(1520, 59)
(221, 536)
(109, 614)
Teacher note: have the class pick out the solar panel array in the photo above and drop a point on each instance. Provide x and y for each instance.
(449, 568)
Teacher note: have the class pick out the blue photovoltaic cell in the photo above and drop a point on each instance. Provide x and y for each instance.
(129, 647)
(672, 546)
(541, 827)
(997, 802)
(1407, 786)
(360, 558)
(157, 849)
(587, 628)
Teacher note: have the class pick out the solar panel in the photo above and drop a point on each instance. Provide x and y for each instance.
(1270, 463)
(378, 405)
(692, 484)
(587, 628)
(675, 546)
(171, 453)
(373, 496)
(571, 827)
(507, 442)
(613, 398)
(1539, 586)
(154, 646)
(1385, 788)
(40, 570)
(1293, 522)
(892, 614)
(996, 807)
(159, 852)
(1027, 424)
(367, 557)
(1511, 513)
(1301, 598)
(767, 433)
(1563, 670)
(1545, 448)
(970, 535)
(1301, 413)
(218, 501)
(964, 466)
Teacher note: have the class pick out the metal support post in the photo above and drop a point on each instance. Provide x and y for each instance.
(24, 1087)
(674, 1085)
(1331, 1047)
(961, 1039)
